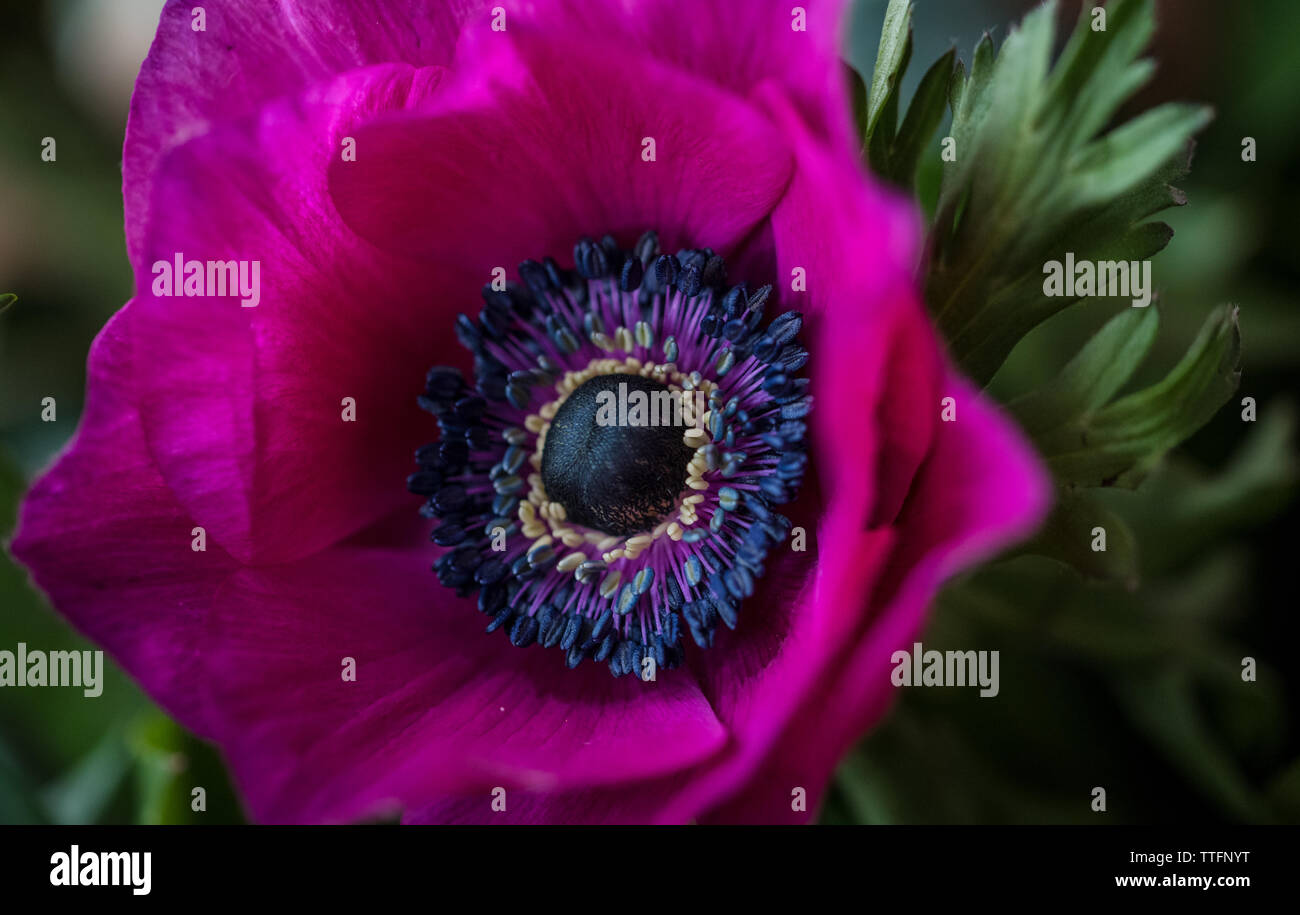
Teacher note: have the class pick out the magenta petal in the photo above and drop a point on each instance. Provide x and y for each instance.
(243, 407)
(735, 44)
(981, 489)
(253, 51)
(856, 240)
(535, 143)
(905, 418)
(113, 549)
(437, 708)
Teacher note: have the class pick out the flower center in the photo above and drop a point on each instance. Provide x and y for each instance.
(587, 516)
(620, 476)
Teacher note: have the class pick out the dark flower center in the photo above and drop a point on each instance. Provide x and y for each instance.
(620, 477)
(609, 481)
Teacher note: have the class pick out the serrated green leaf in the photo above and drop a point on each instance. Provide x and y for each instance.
(1096, 109)
(1119, 443)
(986, 343)
(1120, 161)
(1096, 71)
(1113, 232)
(1015, 103)
(891, 61)
(1092, 377)
(1032, 181)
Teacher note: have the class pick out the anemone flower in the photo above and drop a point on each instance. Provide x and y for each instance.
(659, 205)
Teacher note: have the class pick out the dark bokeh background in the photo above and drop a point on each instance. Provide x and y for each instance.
(1136, 691)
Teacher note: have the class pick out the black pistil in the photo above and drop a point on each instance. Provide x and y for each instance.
(621, 479)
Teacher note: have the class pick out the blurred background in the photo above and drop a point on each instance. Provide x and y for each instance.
(1138, 691)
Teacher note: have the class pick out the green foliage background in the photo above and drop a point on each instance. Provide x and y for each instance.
(1134, 689)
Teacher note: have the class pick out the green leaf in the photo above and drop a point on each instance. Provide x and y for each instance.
(891, 61)
(1097, 71)
(981, 74)
(956, 85)
(1094, 376)
(1023, 306)
(1067, 536)
(1033, 180)
(922, 119)
(893, 152)
(1121, 442)
(7, 299)
(1118, 162)
(1116, 232)
(881, 140)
